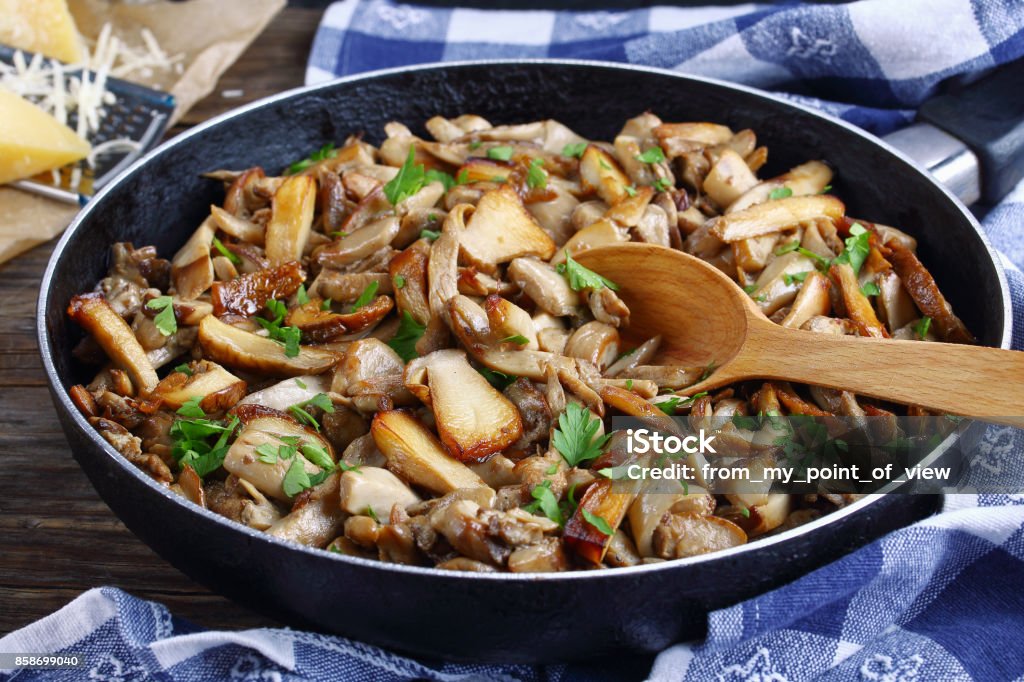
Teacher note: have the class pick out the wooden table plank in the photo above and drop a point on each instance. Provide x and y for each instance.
(57, 538)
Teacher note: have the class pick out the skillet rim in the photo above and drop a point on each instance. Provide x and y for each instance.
(63, 401)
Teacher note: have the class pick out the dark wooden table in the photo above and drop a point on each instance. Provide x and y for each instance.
(57, 538)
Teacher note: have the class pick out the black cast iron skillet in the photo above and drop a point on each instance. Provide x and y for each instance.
(495, 617)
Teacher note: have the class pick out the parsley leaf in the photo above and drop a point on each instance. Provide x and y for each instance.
(404, 340)
(192, 447)
(368, 293)
(326, 152)
(432, 235)
(858, 246)
(750, 289)
(321, 400)
(410, 179)
(301, 296)
(433, 175)
(581, 278)
(300, 383)
(821, 261)
(599, 523)
(326, 304)
(372, 514)
(574, 437)
(545, 501)
(165, 321)
(652, 155)
(230, 255)
(922, 326)
(669, 406)
(398, 281)
(517, 339)
(630, 190)
(787, 247)
(184, 369)
(575, 149)
(795, 277)
(190, 408)
(780, 193)
(267, 453)
(536, 176)
(870, 289)
(317, 455)
(503, 153)
(499, 380)
(662, 184)
(629, 384)
(295, 479)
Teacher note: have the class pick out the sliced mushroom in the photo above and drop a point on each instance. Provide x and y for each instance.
(317, 520)
(925, 292)
(239, 228)
(604, 232)
(248, 294)
(554, 215)
(358, 244)
(365, 360)
(473, 419)
(774, 216)
(545, 557)
(858, 307)
(600, 502)
(728, 178)
(506, 320)
(244, 350)
(776, 286)
(687, 534)
(501, 229)
(192, 267)
(650, 507)
(677, 138)
(813, 300)
(409, 268)
(601, 173)
(443, 279)
(373, 488)
(217, 388)
(243, 461)
(545, 287)
(895, 306)
(115, 337)
(291, 219)
(415, 454)
(284, 394)
(595, 342)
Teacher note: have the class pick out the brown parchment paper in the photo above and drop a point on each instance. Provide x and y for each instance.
(211, 34)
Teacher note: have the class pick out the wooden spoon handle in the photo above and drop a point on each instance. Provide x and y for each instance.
(973, 381)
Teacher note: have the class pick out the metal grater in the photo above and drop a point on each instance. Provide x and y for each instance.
(138, 113)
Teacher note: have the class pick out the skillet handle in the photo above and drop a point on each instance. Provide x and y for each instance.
(988, 117)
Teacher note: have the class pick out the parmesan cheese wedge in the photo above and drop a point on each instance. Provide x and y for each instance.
(44, 26)
(32, 141)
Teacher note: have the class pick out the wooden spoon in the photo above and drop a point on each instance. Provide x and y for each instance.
(705, 319)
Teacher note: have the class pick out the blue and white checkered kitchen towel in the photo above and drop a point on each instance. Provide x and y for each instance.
(942, 600)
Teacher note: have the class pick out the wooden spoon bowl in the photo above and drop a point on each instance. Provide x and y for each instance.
(705, 319)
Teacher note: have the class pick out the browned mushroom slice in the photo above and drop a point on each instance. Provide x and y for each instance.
(895, 306)
(545, 287)
(687, 534)
(192, 267)
(545, 557)
(858, 307)
(317, 517)
(650, 507)
(925, 292)
(273, 431)
(813, 300)
(346, 286)
(239, 228)
(239, 199)
(779, 283)
(641, 355)
(509, 323)
(501, 229)
(629, 211)
(359, 244)
(728, 178)
(773, 216)
(677, 138)
(415, 454)
(665, 376)
(601, 173)
(595, 342)
(602, 233)
(408, 271)
(473, 419)
(321, 326)
(376, 489)
(599, 505)
(218, 388)
(248, 294)
(554, 215)
(291, 219)
(191, 486)
(115, 337)
(244, 350)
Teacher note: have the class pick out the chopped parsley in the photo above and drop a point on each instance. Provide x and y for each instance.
(780, 193)
(922, 326)
(295, 479)
(545, 501)
(267, 453)
(224, 251)
(826, 189)
(499, 380)
(517, 339)
(410, 179)
(325, 304)
(326, 152)
(404, 340)
(858, 245)
(575, 436)
(581, 278)
(288, 337)
(301, 296)
(372, 514)
(165, 321)
(629, 384)
(192, 445)
(432, 235)
(630, 190)
(574, 149)
(190, 408)
(366, 296)
(474, 145)
(787, 247)
(536, 176)
(652, 155)
(300, 383)
(503, 153)
(317, 455)
(870, 289)
(398, 281)
(745, 511)
(599, 523)
(662, 184)
(184, 369)
(433, 175)
(795, 278)
(750, 289)
(321, 400)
